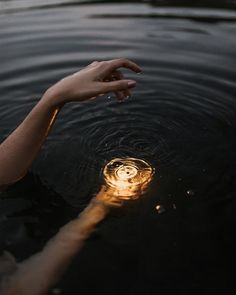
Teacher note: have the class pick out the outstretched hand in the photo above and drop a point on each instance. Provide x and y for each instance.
(96, 79)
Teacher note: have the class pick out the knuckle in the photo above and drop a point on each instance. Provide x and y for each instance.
(121, 85)
(94, 62)
(102, 63)
(104, 88)
(122, 60)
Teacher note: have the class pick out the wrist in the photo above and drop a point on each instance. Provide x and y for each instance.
(53, 98)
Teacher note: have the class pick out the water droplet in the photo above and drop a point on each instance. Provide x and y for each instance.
(179, 179)
(174, 206)
(160, 209)
(109, 97)
(190, 193)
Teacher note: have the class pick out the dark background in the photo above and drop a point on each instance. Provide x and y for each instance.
(181, 118)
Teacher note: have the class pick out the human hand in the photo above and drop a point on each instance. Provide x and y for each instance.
(106, 197)
(94, 80)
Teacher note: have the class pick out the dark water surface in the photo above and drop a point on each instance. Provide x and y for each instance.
(181, 118)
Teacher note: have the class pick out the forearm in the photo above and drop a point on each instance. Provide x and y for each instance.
(21, 147)
(36, 275)
(19, 150)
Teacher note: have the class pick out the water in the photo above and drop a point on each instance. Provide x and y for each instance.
(181, 119)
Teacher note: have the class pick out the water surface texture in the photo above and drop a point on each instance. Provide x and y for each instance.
(181, 118)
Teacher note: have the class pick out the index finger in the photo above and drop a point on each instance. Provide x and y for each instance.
(122, 63)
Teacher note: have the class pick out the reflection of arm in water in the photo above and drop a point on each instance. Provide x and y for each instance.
(36, 275)
(21, 147)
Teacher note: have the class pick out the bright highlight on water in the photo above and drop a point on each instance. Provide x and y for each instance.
(127, 178)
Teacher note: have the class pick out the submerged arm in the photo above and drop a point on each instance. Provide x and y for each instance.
(36, 275)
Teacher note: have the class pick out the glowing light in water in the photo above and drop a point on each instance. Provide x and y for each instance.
(160, 209)
(190, 193)
(127, 178)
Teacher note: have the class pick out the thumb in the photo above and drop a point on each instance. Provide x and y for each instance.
(118, 85)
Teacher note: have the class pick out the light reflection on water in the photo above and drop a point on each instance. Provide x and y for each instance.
(127, 178)
(181, 119)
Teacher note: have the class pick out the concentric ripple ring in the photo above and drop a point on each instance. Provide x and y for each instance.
(127, 178)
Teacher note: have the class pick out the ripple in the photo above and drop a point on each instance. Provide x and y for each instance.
(183, 106)
(127, 178)
(181, 119)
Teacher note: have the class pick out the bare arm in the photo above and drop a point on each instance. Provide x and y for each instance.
(36, 275)
(21, 147)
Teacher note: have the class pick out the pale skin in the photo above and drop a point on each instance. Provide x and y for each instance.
(21, 147)
(36, 275)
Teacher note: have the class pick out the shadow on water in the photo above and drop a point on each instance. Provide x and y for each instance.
(181, 118)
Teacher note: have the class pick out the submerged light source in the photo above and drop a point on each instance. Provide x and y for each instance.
(127, 178)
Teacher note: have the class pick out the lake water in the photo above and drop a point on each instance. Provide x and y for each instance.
(181, 118)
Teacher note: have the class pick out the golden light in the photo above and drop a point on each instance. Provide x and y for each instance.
(127, 178)
(158, 207)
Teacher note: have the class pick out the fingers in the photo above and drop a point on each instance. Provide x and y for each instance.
(94, 63)
(104, 77)
(113, 86)
(125, 63)
(112, 65)
(110, 68)
(121, 95)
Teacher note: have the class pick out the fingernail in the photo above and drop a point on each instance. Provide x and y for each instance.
(131, 84)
